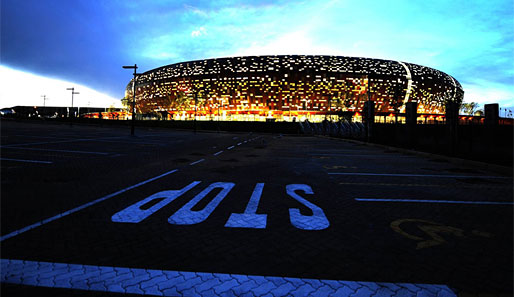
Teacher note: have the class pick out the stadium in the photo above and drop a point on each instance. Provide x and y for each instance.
(291, 88)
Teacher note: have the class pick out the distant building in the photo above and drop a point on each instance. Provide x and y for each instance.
(290, 88)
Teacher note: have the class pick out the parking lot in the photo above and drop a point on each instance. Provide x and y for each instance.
(169, 212)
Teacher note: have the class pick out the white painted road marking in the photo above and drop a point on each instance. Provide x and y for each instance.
(61, 141)
(433, 201)
(178, 283)
(239, 143)
(338, 152)
(417, 175)
(35, 225)
(362, 155)
(452, 185)
(249, 219)
(318, 220)
(187, 216)
(134, 213)
(196, 162)
(52, 150)
(37, 136)
(218, 153)
(26, 161)
(44, 142)
(230, 147)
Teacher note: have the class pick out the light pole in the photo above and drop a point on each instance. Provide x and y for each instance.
(218, 109)
(44, 105)
(369, 111)
(329, 106)
(134, 98)
(72, 93)
(196, 100)
(218, 114)
(44, 100)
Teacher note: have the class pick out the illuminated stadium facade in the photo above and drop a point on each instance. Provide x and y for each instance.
(290, 88)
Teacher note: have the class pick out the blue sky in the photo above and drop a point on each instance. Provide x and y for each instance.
(86, 42)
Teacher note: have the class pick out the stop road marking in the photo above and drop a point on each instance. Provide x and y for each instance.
(249, 219)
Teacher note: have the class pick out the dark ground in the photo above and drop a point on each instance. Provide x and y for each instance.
(465, 246)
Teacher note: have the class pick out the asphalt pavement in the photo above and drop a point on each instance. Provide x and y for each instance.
(92, 210)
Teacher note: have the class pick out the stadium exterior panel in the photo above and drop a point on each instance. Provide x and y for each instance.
(290, 88)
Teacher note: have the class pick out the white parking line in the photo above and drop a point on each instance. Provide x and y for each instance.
(362, 155)
(418, 175)
(36, 136)
(332, 152)
(196, 162)
(239, 143)
(44, 142)
(230, 147)
(26, 161)
(73, 210)
(432, 201)
(218, 153)
(52, 150)
(99, 139)
(133, 142)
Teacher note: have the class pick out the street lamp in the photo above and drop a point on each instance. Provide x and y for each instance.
(218, 110)
(44, 100)
(219, 114)
(329, 106)
(196, 102)
(72, 93)
(369, 110)
(134, 98)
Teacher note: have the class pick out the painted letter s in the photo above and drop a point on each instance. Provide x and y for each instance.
(318, 220)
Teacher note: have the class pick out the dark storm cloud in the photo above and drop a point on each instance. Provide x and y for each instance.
(88, 41)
